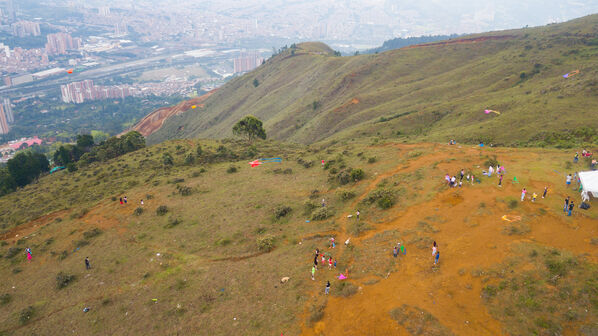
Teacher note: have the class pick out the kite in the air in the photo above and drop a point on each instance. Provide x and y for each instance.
(491, 111)
(571, 74)
(70, 71)
(258, 162)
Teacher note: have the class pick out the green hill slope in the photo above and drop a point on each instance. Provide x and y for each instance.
(430, 92)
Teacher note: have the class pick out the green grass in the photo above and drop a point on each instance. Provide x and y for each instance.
(431, 93)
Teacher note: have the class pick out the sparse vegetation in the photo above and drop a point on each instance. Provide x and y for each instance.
(63, 280)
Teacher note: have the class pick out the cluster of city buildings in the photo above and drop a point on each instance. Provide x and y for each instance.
(247, 62)
(26, 28)
(6, 115)
(79, 92)
(60, 43)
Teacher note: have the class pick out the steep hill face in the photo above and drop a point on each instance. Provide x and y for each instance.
(153, 121)
(430, 92)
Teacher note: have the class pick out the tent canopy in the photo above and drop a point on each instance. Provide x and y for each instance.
(589, 182)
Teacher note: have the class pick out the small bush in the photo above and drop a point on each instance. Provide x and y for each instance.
(167, 159)
(492, 161)
(72, 167)
(372, 160)
(13, 251)
(63, 280)
(322, 213)
(92, 233)
(189, 159)
(81, 243)
(172, 222)
(384, 198)
(231, 169)
(184, 190)
(26, 315)
(162, 210)
(138, 211)
(282, 211)
(5, 299)
(513, 203)
(343, 177)
(316, 313)
(265, 243)
(287, 171)
(223, 242)
(63, 255)
(346, 195)
(346, 289)
(357, 175)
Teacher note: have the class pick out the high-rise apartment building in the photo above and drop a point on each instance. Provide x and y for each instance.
(11, 11)
(3, 122)
(104, 11)
(59, 43)
(26, 28)
(8, 110)
(247, 62)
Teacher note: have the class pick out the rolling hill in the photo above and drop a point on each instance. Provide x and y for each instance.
(426, 92)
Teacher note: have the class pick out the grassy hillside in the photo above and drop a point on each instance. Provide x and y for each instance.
(206, 251)
(431, 92)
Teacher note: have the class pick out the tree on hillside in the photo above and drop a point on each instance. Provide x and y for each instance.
(250, 127)
(27, 166)
(85, 142)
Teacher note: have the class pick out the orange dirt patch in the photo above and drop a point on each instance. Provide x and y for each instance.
(153, 121)
(26, 229)
(470, 238)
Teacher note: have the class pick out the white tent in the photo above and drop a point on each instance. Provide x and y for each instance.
(589, 184)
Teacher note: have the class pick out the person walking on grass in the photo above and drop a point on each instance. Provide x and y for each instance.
(434, 249)
(334, 263)
(462, 174)
(316, 262)
(472, 179)
(121, 201)
(568, 180)
(545, 192)
(125, 199)
(523, 192)
(437, 257)
(571, 206)
(330, 263)
(566, 204)
(534, 196)
(313, 273)
(395, 251)
(500, 180)
(29, 255)
(141, 202)
(87, 264)
(357, 215)
(327, 290)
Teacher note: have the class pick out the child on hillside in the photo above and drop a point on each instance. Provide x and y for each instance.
(534, 195)
(313, 273)
(523, 192)
(330, 263)
(395, 252)
(545, 191)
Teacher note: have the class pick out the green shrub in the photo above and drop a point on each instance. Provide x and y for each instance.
(184, 190)
(81, 243)
(72, 167)
(384, 198)
(345, 195)
(92, 233)
(265, 243)
(172, 222)
(345, 289)
(189, 159)
(322, 213)
(372, 160)
(316, 313)
(282, 211)
(343, 177)
(167, 159)
(26, 315)
(231, 169)
(357, 175)
(223, 242)
(13, 251)
(5, 299)
(63, 280)
(138, 211)
(491, 161)
(162, 210)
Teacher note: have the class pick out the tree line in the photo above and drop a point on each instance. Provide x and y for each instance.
(26, 166)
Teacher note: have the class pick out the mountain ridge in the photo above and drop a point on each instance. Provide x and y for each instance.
(431, 93)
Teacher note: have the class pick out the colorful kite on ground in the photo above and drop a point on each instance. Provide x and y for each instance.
(258, 162)
(70, 71)
(193, 106)
(571, 74)
(491, 111)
